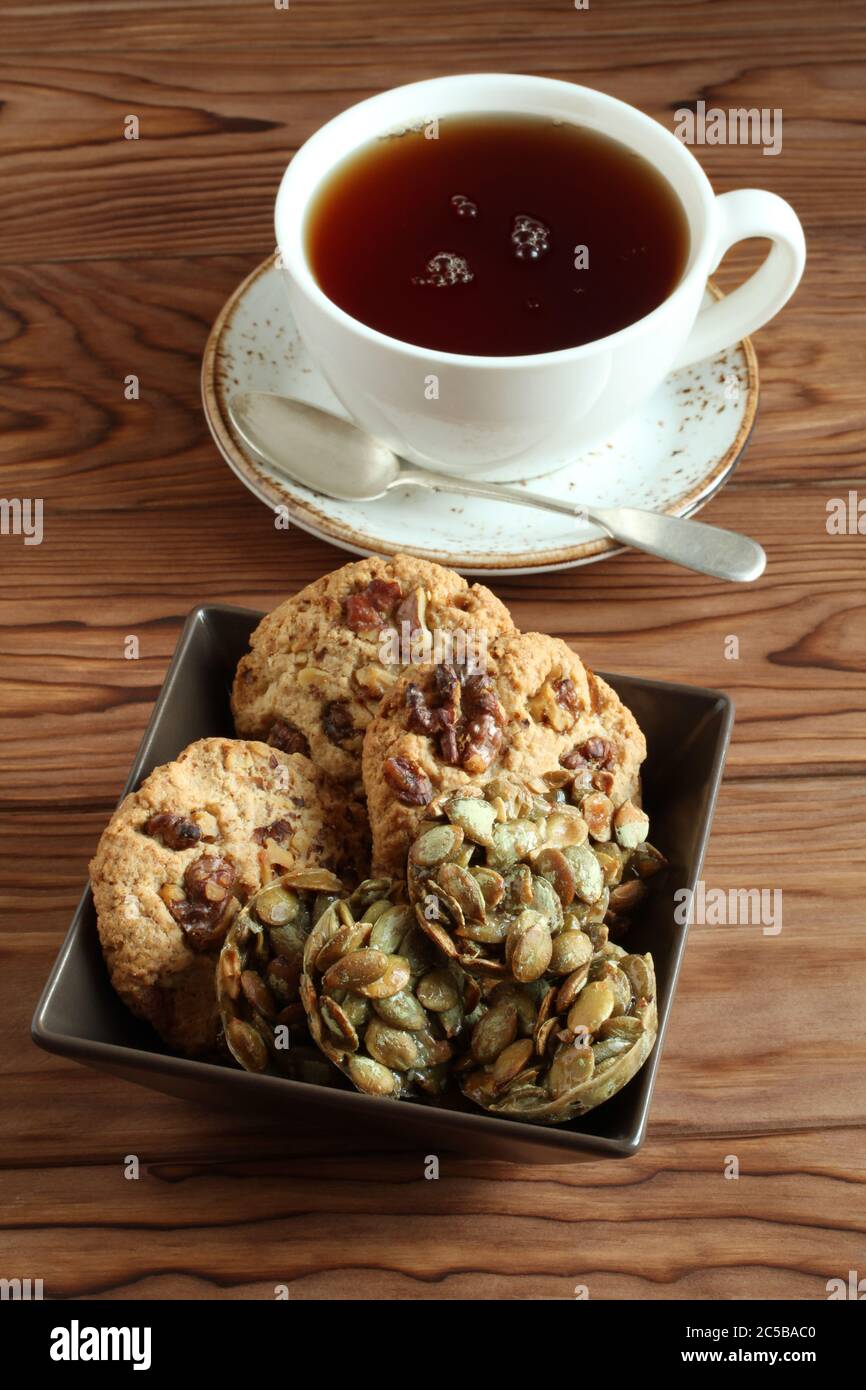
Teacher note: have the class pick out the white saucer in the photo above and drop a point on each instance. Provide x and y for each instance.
(671, 457)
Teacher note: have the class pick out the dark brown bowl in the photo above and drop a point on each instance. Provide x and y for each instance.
(79, 1015)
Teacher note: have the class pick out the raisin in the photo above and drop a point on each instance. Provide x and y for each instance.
(288, 738)
(411, 784)
(176, 832)
(337, 722)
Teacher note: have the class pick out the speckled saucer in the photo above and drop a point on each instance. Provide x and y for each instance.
(670, 457)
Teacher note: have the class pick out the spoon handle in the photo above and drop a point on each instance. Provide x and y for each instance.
(693, 544)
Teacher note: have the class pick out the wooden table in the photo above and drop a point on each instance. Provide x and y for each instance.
(117, 256)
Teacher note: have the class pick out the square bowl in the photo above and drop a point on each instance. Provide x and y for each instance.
(79, 1016)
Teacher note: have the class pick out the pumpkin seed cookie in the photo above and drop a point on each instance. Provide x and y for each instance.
(319, 665)
(199, 836)
(535, 708)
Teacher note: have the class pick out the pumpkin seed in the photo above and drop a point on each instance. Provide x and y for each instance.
(553, 866)
(545, 899)
(475, 817)
(631, 825)
(597, 811)
(276, 905)
(639, 970)
(611, 1046)
(570, 1068)
(511, 1061)
(571, 950)
(463, 889)
(511, 842)
(532, 950)
(436, 844)
(351, 936)
(492, 886)
(390, 926)
(588, 881)
(594, 1004)
(647, 861)
(258, 994)
(564, 827)
(246, 1045)
(626, 896)
(394, 978)
(620, 985)
(493, 1033)
(393, 1047)
(401, 1010)
(437, 991)
(612, 860)
(340, 1024)
(372, 1077)
(354, 970)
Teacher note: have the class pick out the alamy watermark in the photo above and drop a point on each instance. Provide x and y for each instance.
(738, 907)
(846, 517)
(737, 126)
(410, 645)
(22, 516)
(77, 1343)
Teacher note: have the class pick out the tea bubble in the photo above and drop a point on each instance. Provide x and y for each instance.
(445, 268)
(530, 239)
(463, 206)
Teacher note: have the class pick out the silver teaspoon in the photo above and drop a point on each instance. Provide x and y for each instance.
(336, 458)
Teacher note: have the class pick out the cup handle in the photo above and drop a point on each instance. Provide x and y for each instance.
(749, 212)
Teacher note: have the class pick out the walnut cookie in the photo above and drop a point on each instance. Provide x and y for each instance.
(536, 709)
(321, 662)
(201, 834)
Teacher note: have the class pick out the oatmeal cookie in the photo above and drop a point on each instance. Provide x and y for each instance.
(320, 664)
(199, 836)
(534, 709)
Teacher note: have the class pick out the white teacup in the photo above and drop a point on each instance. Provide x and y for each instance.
(518, 417)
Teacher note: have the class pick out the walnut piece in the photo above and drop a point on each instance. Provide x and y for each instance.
(594, 752)
(279, 830)
(462, 712)
(201, 911)
(369, 607)
(410, 782)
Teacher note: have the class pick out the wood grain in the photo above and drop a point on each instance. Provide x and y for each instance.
(116, 257)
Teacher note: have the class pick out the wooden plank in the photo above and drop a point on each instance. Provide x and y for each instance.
(113, 26)
(666, 1225)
